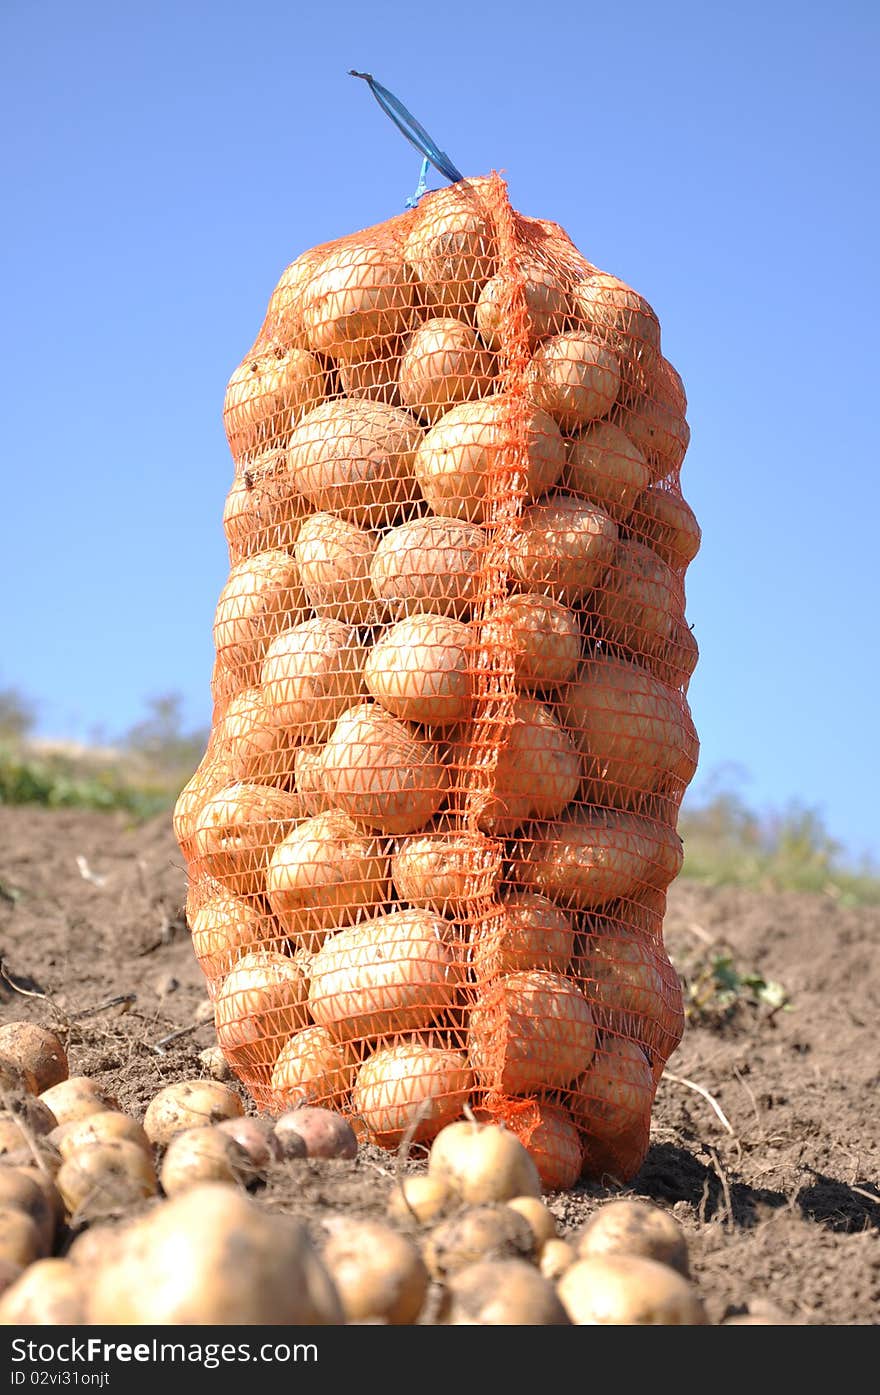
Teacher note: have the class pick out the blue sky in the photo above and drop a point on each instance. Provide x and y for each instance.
(164, 162)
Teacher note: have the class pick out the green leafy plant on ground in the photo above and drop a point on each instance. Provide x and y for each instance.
(715, 988)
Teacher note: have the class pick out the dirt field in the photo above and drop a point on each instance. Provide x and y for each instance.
(782, 1207)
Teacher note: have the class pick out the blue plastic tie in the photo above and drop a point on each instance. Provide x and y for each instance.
(416, 135)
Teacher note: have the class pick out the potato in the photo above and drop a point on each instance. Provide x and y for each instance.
(374, 377)
(636, 735)
(377, 770)
(505, 1293)
(419, 1199)
(482, 1163)
(9, 1272)
(378, 1273)
(23, 1119)
(261, 598)
(445, 871)
(215, 1063)
(539, 1036)
(16, 1079)
(458, 463)
(480, 1232)
(451, 245)
(673, 660)
(544, 635)
(574, 379)
(21, 1238)
(354, 457)
(109, 1124)
(607, 468)
(547, 305)
(655, 418)
(538, 771)
(256, 1138)
(237, 829)
(615, 312)
(359, 293)
(554, 1143)
(666, 523)
(262, 1001)
(50, 1293)
(20, 1191)
(564, 547)
(540, 1219)
(556, 1256)
(77, 1097)
(310, 675)
(106, 1177)
(628, 1290)
(631, 985)
(307, 775)
(284, 316)
(430, 564)
(208, 778)
(267, 393)
(616, 1093)
(598, 857)
(334, 559)
(224, 929)
(420, 669)
(639, 600)
(323, 875)
(312, 1068)
(324, 1132)
(36, 1051)
(252, 745)
(444, 363)
(410, 1090)
(394, 973)
(262, 512)
(203, 1155)
(214, 1258)
(632, 1227)
(535, 934)
(189, 1104)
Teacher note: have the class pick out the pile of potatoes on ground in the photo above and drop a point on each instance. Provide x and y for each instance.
(468, 1241)
(430, 838)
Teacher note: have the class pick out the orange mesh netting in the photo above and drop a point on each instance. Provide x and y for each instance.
(430, 839)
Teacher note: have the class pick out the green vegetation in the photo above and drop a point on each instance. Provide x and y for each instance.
(715, 987)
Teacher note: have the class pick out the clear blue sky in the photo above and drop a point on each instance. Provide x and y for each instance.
(164, 161)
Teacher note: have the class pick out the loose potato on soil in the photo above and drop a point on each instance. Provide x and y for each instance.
(547, 305)
(354, 457)
(324, 1133)
(379, 771)
(410, 1090)
(543, 634)
(358, 293)
(260, 599)
(189, 1104)
(267, 393)
(600, 856)
(203, 1155)
(236, 830)
(36, 1051)
(444, 363)
(420, 669)
(76, 1098)
(256, 1137)
(480, 1232)
(263, 511)
(451, 246)
(20, 1191)
(541, 1220)
(310, 675)
(543, 1038)
(501, 1292)
(378, 1273)
(214, 1257)
(312, 1067)
(50, 1293)
(564, 547)
(324, 875)
(262, 1002)
(23, 1119)
(22, 1240)
(606, 467)
(482, 1163)
(538, 771)
(334, 558)
(106, 1177)
(429, 564)
(393, 973)
(419, 1199)
(457, 462)
(445, 871)
(534, 934)
(627, 1290)
(574, 379)
(556, 1256)
(634, 1227)
(615, 1095)
(15, 1079)
(666, 523)
(98, 1128)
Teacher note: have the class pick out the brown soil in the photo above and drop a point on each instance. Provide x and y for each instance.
(782, 1209)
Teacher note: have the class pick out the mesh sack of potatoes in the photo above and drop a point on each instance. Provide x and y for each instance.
(430, 839)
